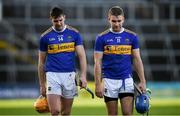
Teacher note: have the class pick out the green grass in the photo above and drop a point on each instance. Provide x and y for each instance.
(84, 105)
(87, 106)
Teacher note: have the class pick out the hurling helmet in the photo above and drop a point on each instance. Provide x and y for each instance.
(142, 103)
(41, 104)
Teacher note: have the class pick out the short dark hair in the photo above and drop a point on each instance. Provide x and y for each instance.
(116, 10)
(56, 12)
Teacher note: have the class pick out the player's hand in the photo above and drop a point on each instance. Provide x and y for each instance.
(99, 91)
(83, 82)
(142, 87)
(43, 90)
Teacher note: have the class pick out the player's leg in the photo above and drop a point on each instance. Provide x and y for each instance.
(53, 93)
(111, 105)
(54, 104)
(126, 96)
(111, 91)
(69, 91)
(66, 105)
(127, 103)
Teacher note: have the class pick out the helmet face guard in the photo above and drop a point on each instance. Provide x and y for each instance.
(142, 103)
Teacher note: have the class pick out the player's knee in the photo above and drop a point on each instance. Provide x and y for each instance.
(55, 112)
(112, 113)
(65, 112)
(127, 113)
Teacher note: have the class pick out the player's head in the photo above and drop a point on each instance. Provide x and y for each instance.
(116, 18)
(57, 17)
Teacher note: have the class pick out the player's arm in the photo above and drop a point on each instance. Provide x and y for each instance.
(41, 72)
(139, 68)
(97, 74)
(83, 64)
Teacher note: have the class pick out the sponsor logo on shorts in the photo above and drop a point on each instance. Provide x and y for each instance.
(49, 88)
(105, 90)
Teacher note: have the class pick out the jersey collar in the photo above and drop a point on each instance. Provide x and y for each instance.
(122, 29)
(59, 31)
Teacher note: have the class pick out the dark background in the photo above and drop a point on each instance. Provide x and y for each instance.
(157, 23)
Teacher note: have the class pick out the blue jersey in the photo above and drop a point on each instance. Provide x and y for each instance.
(60, 48)
(117, 53)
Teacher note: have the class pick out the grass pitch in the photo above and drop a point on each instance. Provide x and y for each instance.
(85, 105)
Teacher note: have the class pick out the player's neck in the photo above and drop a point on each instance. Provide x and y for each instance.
(120, 31)
(59, 29)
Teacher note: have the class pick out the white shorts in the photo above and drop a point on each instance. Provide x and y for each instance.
(112, 88)
(62, 84)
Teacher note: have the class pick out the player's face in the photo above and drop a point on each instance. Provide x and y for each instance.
(116, 22)
(58, 22)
